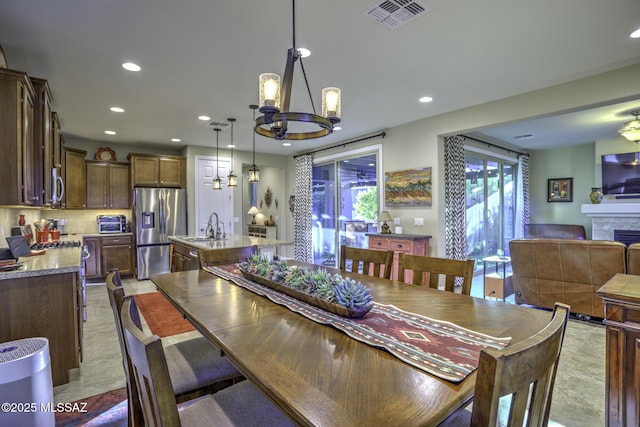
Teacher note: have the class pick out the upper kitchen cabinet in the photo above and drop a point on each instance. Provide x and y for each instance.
(75, 178)
(16, 136)
(151, 170)
(108, 185)
(42, 141)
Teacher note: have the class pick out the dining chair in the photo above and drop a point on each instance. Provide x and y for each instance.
(241, 404)
(436, 267)
(211, 257)
(525, 372)
(195, 366)
(374, 263)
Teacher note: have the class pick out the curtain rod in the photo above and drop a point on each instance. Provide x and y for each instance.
(344, 144)
(494, 145)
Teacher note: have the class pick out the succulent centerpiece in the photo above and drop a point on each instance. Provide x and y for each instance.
(331, 292)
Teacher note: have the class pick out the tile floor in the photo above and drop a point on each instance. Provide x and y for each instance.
(578, 396)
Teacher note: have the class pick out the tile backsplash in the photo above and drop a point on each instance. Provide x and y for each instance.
(78, 221)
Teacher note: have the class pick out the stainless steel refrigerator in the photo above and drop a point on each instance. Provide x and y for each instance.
(159, 213)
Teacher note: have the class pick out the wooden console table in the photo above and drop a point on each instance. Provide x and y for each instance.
(621, 295)
(399, 243)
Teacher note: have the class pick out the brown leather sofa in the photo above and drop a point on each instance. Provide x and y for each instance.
(566, 270)
(633, 259)
(554, 231)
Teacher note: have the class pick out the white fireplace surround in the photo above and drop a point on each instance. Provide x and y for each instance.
(606, 217)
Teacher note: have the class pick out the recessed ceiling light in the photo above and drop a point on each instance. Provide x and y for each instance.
(110, 132)
(231, 145)
(130, 66)
(175, 140)
(425, 99)
(635, 34)
(286, 144)
(204, 118)
(337, 128)
(304, 52)
(117, 109)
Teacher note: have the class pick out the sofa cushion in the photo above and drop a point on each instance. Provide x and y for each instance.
(564, 270)
(633, 259)
(554, 231)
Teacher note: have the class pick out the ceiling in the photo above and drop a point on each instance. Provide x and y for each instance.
(204, 57)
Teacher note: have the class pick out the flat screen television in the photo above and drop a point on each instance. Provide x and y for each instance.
(621, 174)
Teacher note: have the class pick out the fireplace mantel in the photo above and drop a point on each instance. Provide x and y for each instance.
(606, 218)
(612, 209)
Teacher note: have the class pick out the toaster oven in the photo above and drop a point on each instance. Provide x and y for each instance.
(112, 224)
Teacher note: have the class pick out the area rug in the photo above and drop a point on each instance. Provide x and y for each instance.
(162, 318)
(441, 348)
(105, 409)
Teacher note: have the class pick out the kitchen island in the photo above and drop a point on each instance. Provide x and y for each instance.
(43, 298)
(184, 249)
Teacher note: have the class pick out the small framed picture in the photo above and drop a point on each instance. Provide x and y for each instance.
(560, 190)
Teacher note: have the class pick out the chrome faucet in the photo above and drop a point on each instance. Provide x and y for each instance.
(211, 232)
(224, 233)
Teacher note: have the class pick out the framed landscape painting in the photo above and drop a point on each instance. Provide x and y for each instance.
(560, 189)
(407, 188)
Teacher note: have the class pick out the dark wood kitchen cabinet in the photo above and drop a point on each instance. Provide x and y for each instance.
(183, 258)
(108, 185)
(151, 170)
(49, 307)
(42, 141)
(109, 252)
(16, 133)
(75, 178)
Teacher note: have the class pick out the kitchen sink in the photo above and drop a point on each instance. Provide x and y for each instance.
(201, 239)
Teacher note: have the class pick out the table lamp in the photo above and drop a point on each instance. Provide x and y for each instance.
(253, 211)
(383, 217)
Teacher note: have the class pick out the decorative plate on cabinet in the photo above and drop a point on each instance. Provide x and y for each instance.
(106, 154)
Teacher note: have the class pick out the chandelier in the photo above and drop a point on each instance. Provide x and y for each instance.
(274, 100)
(232, 178)
(631, 130)
(217, 183)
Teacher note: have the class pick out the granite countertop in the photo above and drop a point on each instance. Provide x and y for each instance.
(232, 241)
(104, 235)
(53, 261)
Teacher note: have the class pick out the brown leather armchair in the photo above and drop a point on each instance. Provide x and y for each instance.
(565, 270)
(633, 259)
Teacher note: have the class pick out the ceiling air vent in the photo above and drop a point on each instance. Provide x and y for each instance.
(394, 13)
(217, 125)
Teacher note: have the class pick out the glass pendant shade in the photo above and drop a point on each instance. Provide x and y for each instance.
(217, 183)
(269, 95)
(331, 105)
(232, 178)
(631, 130)
(254, 174)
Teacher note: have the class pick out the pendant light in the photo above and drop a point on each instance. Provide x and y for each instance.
(232, 178)
(217, 183)
(254, 172)
(274, 99)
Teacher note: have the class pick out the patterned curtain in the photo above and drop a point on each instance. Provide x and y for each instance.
(303, 210)
(522, 196)
(454, 198)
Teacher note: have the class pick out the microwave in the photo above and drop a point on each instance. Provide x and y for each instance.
(112, 224)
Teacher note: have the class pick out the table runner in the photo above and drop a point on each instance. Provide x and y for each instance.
(441, 348)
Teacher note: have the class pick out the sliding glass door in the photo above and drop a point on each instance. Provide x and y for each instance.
(345, 205)
(490, 201)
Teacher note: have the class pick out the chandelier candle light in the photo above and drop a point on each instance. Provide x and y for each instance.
(232, 179)
(217, 183)
(274, 100)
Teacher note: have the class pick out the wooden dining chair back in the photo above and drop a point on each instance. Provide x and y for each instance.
(241, 404)
(366, 261)
(149, 368)
(211, 257)
(526, 371)
(429, 270)
(116, 297)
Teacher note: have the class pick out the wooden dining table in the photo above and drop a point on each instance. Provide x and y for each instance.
(318, 375)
